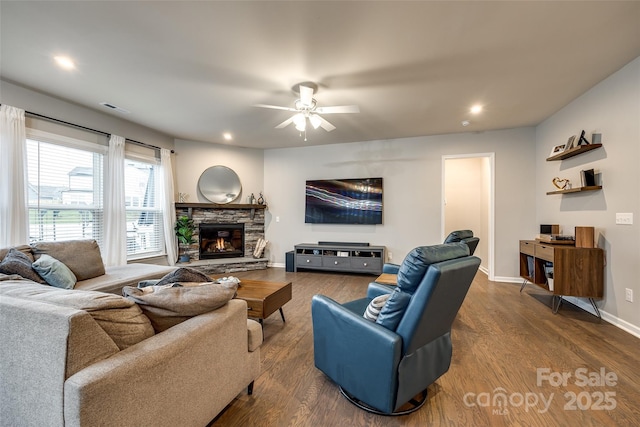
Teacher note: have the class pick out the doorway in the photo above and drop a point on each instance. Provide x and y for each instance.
(468, 201)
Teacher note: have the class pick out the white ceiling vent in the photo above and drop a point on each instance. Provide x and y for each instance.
(114, 108)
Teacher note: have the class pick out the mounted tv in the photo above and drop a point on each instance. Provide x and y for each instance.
(344, 201)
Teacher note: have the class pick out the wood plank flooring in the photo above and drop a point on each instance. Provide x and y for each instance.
(501, 338)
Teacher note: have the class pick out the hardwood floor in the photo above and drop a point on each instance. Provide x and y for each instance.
(505, 343)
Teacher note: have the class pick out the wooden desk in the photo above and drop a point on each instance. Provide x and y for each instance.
(387, 279)
(264, 298)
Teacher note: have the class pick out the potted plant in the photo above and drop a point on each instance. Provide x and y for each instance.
(184, 232)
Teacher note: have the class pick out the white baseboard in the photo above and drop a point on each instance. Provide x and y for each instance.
(586, 306)
(276, 265)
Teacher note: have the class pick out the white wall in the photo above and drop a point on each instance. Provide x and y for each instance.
(37, 102)
(192, 158)
(612, 108)
(412, 174)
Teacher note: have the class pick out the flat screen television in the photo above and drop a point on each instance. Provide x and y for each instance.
(344, 201)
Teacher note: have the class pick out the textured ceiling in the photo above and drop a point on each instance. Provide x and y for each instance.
(194, 70)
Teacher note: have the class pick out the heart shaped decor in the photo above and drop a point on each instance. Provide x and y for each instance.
(560, 184)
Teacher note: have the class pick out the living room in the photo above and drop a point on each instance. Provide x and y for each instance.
(412, 168)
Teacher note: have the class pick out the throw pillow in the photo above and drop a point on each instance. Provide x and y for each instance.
(166, 306)
(17, 262)
(183, 275)
(54, 272)
(373, 309)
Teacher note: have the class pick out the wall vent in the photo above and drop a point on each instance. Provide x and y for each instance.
(114, 108)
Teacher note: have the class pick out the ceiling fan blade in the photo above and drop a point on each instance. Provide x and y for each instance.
(326, 125)
(285, 123)
(338, 109)
(306, 95)
(275, 107)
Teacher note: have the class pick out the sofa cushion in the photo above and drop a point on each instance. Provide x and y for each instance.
(183, 274)
(81, 256)
(167, 305)
(16, 262)
(116, 277)
(120, 318)
(54, 272)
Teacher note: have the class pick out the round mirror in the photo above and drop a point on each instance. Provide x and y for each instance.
(219, 184)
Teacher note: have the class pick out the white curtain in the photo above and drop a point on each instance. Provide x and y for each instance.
(115, 215)
(167, 203)
(14, 213)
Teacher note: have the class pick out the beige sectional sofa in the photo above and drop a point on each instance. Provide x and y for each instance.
(86, 358)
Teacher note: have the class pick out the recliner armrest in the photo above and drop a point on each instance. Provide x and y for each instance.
(390, 268)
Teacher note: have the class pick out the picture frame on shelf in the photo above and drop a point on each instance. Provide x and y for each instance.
(557, 150)
(572, 142)
(582, 140)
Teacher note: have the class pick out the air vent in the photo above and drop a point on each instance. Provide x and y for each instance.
(114, 108)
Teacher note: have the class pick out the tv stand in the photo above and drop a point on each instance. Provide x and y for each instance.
(343, 257)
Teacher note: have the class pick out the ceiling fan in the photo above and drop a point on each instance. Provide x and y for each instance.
(306, 109)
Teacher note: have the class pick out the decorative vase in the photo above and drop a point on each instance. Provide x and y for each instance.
(261, 199)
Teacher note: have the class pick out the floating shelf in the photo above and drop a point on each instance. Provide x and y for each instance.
(577, 190)
(573, 152)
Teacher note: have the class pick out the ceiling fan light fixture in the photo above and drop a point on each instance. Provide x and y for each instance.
(300, 122)
(315, 120)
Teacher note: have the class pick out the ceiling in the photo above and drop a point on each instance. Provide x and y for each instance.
(194, 70)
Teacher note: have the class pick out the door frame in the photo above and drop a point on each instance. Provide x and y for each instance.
(491, 226)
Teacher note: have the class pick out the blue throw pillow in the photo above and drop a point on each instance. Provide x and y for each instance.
(54, 272)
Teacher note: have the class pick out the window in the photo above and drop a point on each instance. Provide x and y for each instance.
(144, 217)
(64, 188)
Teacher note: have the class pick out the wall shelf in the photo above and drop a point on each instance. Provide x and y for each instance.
(573, 152)
(577, 190)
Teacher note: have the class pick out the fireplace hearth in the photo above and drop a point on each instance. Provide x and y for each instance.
(221, 240)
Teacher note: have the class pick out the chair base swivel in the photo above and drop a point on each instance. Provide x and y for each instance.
(414, 403)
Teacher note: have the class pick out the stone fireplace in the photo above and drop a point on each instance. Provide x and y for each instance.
(221, 240)
(237, 220)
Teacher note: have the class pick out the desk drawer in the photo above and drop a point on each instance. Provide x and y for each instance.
(527, 247)
(544, 252)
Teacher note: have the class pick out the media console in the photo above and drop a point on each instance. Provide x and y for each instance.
(336, 256)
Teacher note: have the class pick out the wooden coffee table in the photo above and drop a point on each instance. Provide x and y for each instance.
(387, 279)
(264, 298)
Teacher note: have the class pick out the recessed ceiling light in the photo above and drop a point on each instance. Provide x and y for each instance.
(466, 123)
(65, 62)
(227, 136)
(476, 109)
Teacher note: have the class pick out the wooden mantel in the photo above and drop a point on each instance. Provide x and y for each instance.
(190, 206)
(219, 206)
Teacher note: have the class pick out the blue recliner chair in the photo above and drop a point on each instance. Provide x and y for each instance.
(381, 366)
(465, 236)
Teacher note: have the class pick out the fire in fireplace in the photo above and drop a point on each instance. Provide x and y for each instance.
(221, 240)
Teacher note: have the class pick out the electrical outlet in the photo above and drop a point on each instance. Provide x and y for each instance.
(390, 256)
(277, 219)
(624, 218)
(628, 294)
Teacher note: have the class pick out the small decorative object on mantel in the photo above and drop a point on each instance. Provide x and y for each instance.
(261, 199)
(183, 197)
(561, 184)
(252, 199)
